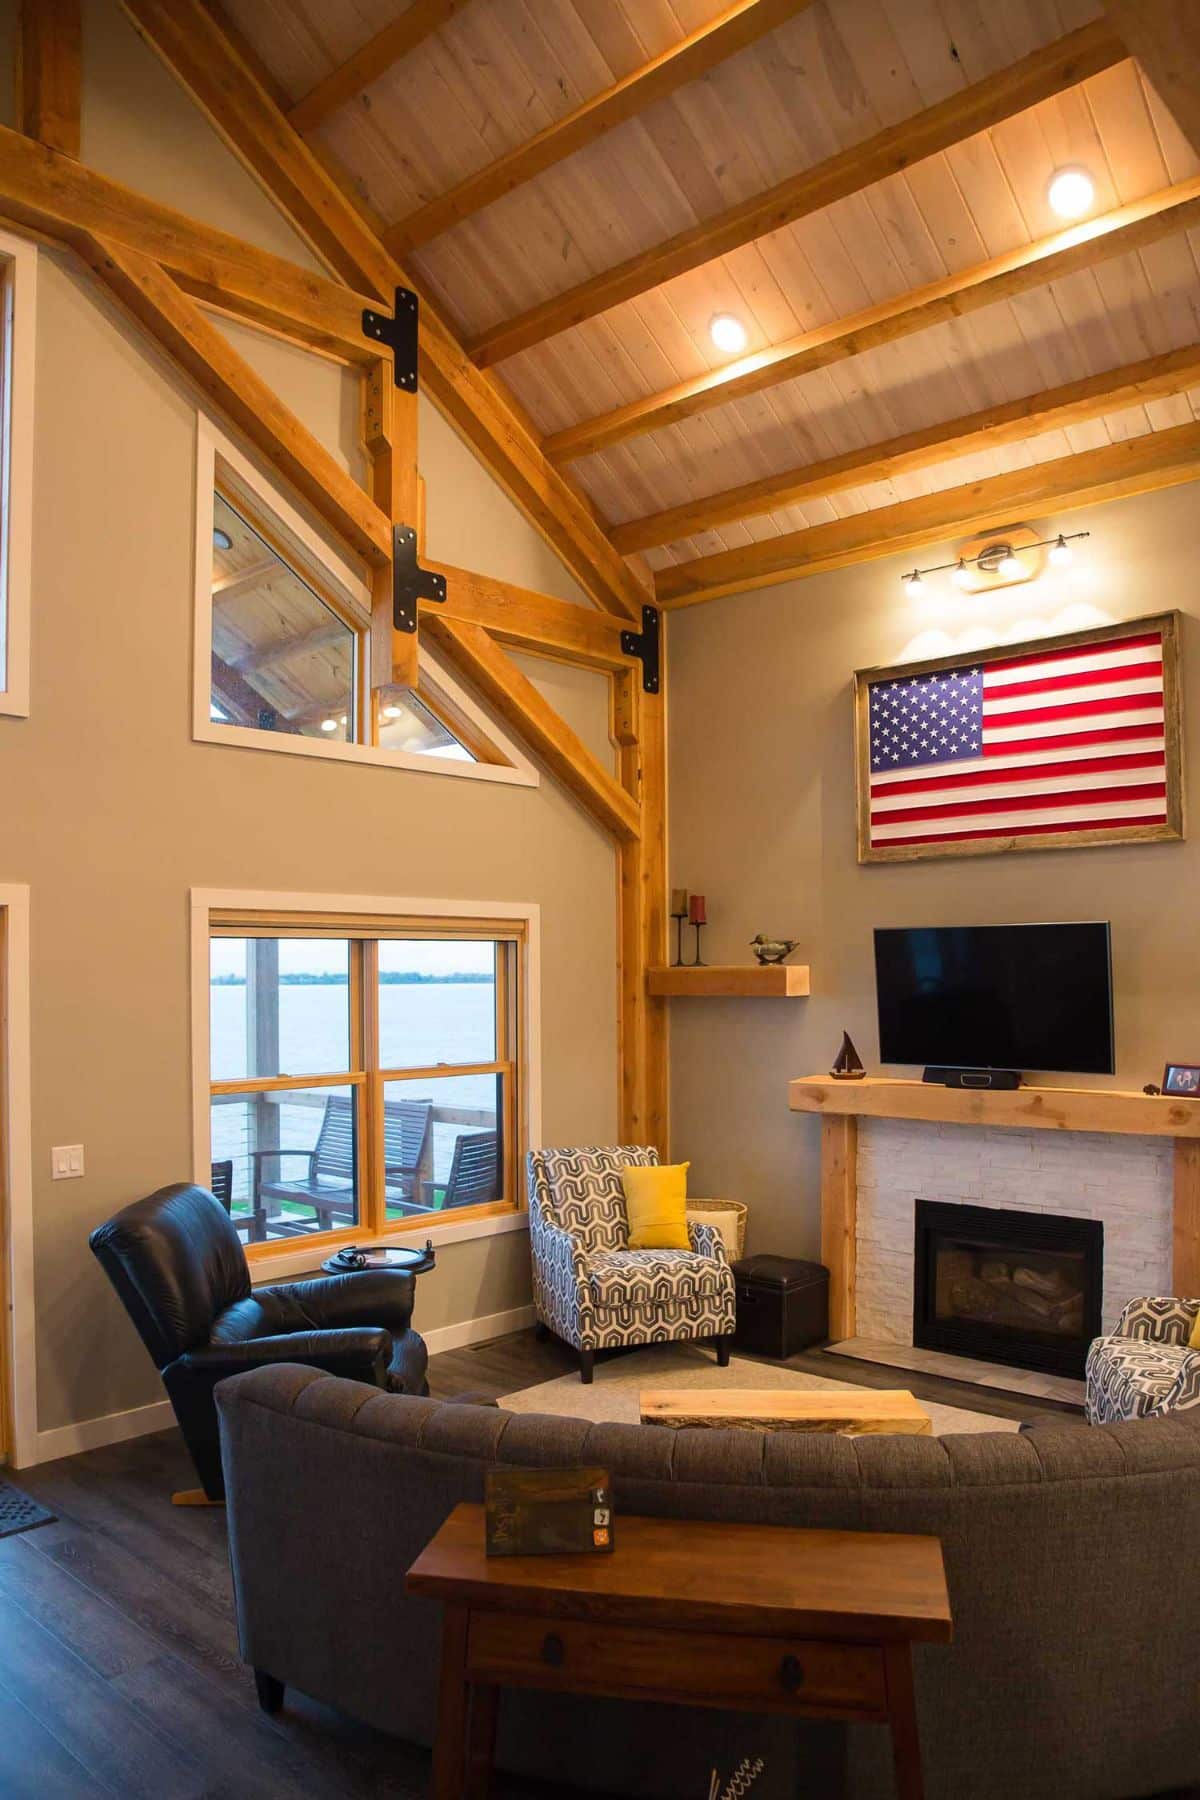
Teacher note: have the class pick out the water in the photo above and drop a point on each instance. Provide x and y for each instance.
(420, 1025)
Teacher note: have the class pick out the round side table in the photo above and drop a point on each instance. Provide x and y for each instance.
(399, 1258)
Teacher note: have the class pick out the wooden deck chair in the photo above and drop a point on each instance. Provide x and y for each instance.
(328, 1184)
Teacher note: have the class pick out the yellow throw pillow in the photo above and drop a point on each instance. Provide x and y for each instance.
(656, 1201)
(1194, 1340)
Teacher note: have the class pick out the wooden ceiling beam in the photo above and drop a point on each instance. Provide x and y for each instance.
(49, 90)
(1125, 229)
(207, 356)
(1164, 36)
(1049, 410)
(733, 30)
(47, 192)
(559, 629)
(244, 581)
(191, 43)
(1046, 72)
(321, 637)
(374, 59)
(477, 655)
(1134, 466)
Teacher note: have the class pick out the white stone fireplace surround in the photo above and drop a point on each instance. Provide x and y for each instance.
(1125, 1182)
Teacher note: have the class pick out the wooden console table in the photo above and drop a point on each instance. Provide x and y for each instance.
(755, 1618)
(841, 1104)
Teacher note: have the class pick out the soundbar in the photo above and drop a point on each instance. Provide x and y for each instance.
(972, 1078)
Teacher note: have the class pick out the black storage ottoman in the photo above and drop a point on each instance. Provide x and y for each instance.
(782, 1305)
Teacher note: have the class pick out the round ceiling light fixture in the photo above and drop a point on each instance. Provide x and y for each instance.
(329, 724)
(727, 333)
(221, 539)
(1071, 192)
(393, 712)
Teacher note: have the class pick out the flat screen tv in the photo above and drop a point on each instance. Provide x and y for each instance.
(996, 997)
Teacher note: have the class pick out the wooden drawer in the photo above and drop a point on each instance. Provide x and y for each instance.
(707, 1668)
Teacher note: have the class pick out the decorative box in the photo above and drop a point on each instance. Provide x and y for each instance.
(782, 1305)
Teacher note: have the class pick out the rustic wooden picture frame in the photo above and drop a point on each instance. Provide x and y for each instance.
(1171, 828)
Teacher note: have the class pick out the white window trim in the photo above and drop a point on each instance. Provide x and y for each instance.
(206, 901)
(18, 290)
(16, 1147)
(211, 443)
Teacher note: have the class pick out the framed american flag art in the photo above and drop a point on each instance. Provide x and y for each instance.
(1039, 746)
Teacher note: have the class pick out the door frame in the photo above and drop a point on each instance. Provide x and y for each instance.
(16, 1177)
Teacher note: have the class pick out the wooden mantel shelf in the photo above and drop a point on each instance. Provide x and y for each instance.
(841, 1104)
(1038, 1108)
(747, 981)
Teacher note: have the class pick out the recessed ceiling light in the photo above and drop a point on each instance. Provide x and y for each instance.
(221, 539)
(329, 724)
(727, 333)
(392, 712)
(1071, 192)
(1061, 553)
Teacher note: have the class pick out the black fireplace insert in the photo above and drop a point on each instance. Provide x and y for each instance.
(1007, 1286)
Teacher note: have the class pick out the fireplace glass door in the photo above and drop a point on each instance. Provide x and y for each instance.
(1007, 1286)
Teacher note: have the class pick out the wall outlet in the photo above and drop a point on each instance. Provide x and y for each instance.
(66, 1161)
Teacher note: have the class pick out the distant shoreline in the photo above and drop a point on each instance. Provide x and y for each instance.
(387, 978)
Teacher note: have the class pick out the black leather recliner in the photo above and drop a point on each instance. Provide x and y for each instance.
(178, 1264)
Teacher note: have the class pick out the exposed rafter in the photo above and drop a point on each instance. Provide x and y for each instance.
(49, 43)
(741, 24)
(244, 581)
(208, 357)
(248, 118)
(1007, 423)
(1046, 72)
(1164, 35)
(1125, 229)
(374, 59)
(321, 637)
(1134, 466)
(476, 655)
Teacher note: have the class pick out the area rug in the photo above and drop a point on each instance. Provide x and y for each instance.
(613, 1395)
(18, 1512)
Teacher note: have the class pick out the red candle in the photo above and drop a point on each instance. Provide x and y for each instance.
(696, 912)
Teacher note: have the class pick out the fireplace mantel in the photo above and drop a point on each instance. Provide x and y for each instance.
(840, 1105)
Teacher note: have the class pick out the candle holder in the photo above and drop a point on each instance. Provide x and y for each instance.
(698, 917)
(698, 961)
(679, 912)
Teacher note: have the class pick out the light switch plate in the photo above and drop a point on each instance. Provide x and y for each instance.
(66, 1162)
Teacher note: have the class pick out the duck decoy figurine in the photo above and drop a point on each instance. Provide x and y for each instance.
(773, 950)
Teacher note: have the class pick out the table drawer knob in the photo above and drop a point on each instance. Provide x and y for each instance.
(791, 1673)
(554, 1651)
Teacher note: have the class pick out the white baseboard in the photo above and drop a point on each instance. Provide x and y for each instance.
(115, 1428)
(476, 1331)
(93, 1434)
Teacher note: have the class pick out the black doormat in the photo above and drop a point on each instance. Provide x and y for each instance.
(18, 1512)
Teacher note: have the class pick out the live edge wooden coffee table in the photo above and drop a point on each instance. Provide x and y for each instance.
(755, 1618)
(850, 1412)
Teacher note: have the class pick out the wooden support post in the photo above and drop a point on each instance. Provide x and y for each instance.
(839, 1219)
(48, 73)
(1185, 1276)
(642, 903)
(390, 435)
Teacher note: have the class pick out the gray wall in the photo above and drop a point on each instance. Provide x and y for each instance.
(111, 812)
(762, 799)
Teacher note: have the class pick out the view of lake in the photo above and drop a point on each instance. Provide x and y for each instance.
(420, 1023)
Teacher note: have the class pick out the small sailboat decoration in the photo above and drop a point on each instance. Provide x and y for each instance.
(847, 1065)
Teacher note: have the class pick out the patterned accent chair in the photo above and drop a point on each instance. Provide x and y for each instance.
(1145, 1368)
(590, 1288)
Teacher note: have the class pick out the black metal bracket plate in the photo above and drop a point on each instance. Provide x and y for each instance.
(399, 335)
(644, 644)
(410, 583)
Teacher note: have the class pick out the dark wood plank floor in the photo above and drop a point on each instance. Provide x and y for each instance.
(119, 1671)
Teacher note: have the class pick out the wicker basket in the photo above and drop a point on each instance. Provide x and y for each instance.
(733, 1206)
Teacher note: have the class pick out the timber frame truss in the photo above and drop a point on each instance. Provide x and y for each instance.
(170, 272)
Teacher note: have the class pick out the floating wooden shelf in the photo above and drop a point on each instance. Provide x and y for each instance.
(750, 981)
(1045, 1108)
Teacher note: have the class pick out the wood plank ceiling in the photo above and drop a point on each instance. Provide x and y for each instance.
(918, 281)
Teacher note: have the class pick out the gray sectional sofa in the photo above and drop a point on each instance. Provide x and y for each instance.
(1072, 1557)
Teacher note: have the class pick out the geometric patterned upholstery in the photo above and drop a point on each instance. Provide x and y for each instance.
(589, 1287)
(1145, 1367)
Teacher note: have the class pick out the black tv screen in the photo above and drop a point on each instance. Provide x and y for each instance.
(996, 997)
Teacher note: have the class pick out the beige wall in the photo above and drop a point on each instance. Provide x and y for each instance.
(111, 813)
(762, 798)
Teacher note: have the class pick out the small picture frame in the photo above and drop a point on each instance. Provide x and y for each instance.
(1182, 1081)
